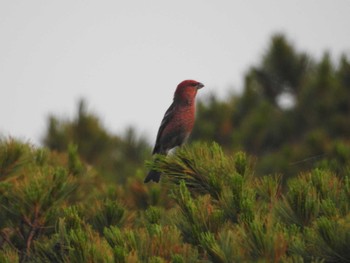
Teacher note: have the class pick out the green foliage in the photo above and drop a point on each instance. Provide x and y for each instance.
(329, 239)
(153, 215)
(310, 130)
(215, 210)
(74, 164)
(12, 157)
(198, 215)
(79, 244)
(32, 198)
(9, 255)
(115, 157)
(200, 166)
(208, 242)
(163, 242)
(312, 195)
(107, 213)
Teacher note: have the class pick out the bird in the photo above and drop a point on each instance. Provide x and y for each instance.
(177, 123)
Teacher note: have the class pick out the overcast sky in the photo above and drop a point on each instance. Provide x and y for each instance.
(127, 57)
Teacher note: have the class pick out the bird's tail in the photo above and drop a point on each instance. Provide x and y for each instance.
(153, 176)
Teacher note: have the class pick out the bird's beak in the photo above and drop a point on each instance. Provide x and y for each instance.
(200, 85)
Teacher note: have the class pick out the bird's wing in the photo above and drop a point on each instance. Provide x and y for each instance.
(168, 116)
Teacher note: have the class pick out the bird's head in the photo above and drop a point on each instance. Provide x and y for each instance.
(187, 90)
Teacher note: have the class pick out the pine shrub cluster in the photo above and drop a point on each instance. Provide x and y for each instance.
(209, 207)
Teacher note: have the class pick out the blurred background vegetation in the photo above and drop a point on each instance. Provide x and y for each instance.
(265, 177)
(293, 114)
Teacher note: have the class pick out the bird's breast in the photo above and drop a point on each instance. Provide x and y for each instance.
(185, 117)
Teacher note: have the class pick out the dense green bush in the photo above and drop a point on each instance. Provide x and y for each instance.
(55, 208)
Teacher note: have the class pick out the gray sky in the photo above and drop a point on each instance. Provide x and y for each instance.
(126, 57)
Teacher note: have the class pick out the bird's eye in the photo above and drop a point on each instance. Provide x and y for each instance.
(194, 84)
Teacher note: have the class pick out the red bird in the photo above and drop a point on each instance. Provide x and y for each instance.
(177, 122)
